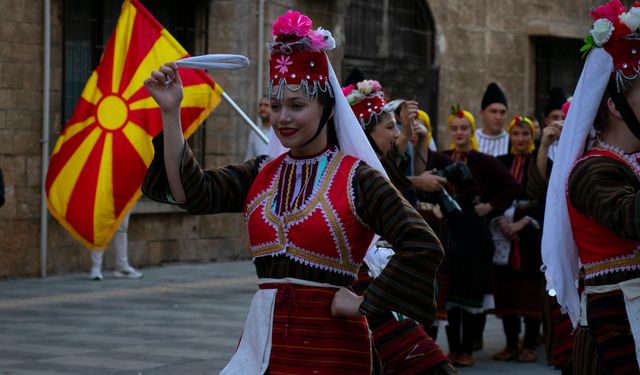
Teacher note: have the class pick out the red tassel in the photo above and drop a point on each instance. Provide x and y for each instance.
(515, 256)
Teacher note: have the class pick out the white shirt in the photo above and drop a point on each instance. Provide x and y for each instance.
(494, 145)
(255, 144)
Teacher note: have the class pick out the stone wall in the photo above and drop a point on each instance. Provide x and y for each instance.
(480, 41)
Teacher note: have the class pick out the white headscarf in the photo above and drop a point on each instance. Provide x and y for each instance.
(559, 250)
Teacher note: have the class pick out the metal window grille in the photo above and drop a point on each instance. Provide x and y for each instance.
(558, 64)
(393, 42)
(89, 24)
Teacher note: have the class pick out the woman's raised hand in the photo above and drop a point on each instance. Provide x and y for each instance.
(165, 86)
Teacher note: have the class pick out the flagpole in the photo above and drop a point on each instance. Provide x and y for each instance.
(46, 99)
(245, 117)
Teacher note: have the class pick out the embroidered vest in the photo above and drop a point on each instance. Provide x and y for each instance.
(601, 251)
(324, 231)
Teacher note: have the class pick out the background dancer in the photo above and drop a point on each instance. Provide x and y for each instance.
(593, 200)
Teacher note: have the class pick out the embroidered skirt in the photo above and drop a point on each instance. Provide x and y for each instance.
(307, 339)
(609, 325)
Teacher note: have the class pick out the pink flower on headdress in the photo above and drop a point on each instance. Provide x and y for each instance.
(347, 90)
(292, 23)
(283, 61)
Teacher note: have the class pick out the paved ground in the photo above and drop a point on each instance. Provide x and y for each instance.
(179, 319)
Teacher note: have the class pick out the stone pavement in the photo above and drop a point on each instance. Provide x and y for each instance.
(178, 319)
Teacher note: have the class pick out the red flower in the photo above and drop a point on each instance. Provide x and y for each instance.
(460, 113)
(611, 11)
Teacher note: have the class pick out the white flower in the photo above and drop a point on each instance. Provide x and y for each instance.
(631, 18)
(601, 31)
(331, 43)
(365, 87)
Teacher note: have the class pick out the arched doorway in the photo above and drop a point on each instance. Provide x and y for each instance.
(393, 42)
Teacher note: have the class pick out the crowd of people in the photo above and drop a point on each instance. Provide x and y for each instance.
(367, 236)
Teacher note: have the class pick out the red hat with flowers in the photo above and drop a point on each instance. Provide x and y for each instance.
(366, 100)
(616, 30)
(298, 55)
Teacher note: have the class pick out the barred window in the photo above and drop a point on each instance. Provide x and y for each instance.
(557, 65)
(394, 43)
(89, 24)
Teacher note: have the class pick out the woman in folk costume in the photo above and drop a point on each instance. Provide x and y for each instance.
(402, 344)
(593, 205)
(312, 211)
(519, 283)
(426, 162)
(471, 250)
(366, 99)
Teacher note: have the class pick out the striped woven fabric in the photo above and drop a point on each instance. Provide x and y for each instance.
(308, 340)
(585, 355)
(610, 327)
(405, 348)
(561, 335)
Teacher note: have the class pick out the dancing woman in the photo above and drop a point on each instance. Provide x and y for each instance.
(312, 211)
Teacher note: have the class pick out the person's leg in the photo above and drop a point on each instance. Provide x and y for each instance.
(121, 248)
(96, 265)
(481, 322)
(119, 243)
(469, 331)
(511, 325)
(453, 329)
(531, 335)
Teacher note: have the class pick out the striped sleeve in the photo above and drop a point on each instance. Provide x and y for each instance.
(394, 165)
(609, 191)
(207, 191)
(407, 283)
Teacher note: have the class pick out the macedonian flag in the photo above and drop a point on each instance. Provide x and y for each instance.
(101, 157)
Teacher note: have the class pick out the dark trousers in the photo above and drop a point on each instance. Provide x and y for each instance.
(461, 330)
(511, 325)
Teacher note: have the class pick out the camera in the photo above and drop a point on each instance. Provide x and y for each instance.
(456, 174)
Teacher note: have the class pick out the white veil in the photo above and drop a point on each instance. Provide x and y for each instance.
(559, 250)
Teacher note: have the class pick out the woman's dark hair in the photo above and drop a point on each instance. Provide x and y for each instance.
(603, 110)
(328, 103)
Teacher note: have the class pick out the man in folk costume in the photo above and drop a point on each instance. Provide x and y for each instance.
(492, 138)
(593, 203)
(312, 207)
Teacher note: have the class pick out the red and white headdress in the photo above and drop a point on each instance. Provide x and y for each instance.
(616, 31)
(366, 100)
(298, 56)
(614, 57)
(299, 62)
